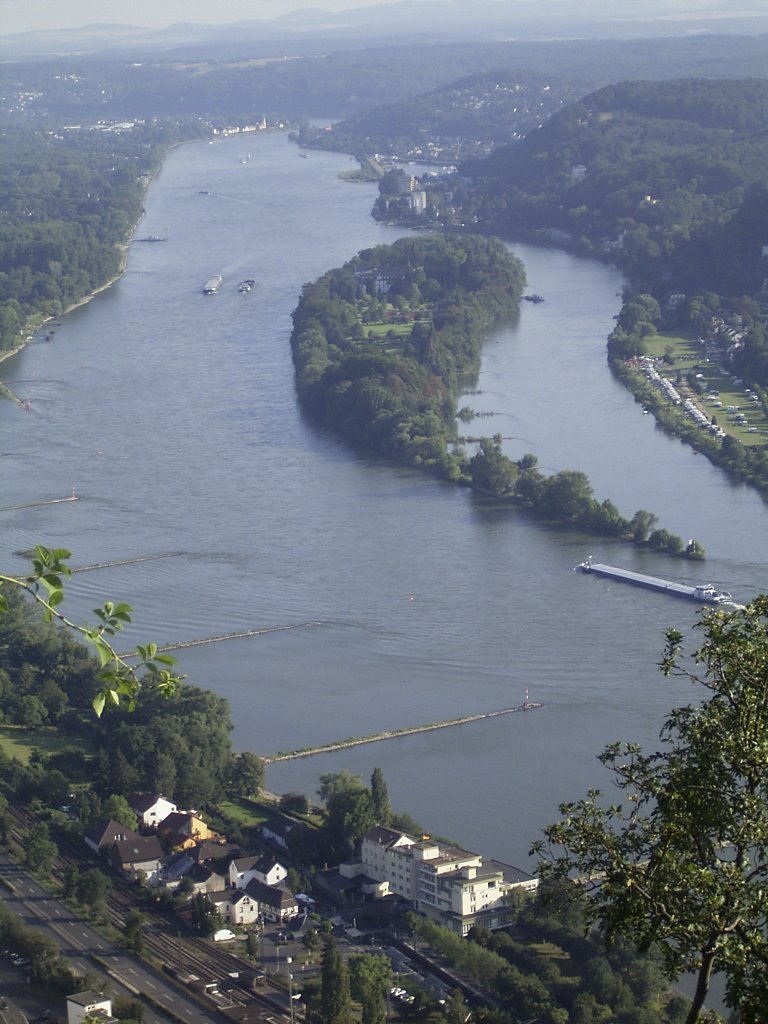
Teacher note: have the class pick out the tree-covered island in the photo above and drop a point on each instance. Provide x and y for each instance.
(667, 181)
(382, 347)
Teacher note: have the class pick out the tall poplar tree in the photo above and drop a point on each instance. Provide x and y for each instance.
(380, 798)
(335, 1000)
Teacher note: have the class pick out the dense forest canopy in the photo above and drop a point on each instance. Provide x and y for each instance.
(380, 344)
(653, 163)
(69, 199)
(381, 347)
(181, 748)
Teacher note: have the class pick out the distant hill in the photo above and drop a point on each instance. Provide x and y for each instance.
(653, 170)
(467, 118)
(345, 83)
(308, 31)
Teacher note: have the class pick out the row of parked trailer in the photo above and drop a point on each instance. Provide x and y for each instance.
(674, 396)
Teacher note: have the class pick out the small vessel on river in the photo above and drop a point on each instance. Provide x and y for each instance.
(704, 594)
(245, 286)
(212, 285)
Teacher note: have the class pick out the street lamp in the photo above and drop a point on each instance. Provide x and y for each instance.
(289, 961)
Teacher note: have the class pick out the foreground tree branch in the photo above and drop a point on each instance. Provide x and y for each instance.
(681, 863)
(121, 681)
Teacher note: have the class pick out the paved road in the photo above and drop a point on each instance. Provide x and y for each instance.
(77, 940)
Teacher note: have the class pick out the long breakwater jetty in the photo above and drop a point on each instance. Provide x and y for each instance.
(241, 634)
(9, 393)
(36, 504)
(394, 734)
(126, 561)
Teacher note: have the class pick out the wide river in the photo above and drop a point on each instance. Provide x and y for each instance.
(175, 417)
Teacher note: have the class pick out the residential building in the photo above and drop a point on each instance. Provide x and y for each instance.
(140, 854)
(277, 831)
(105, 834)
(176, 867)
(89, 1004)
(263, 867)
(151, 808)
(205, 879)
(276, 903)
(207, 851)
(183, 830)
(236, 906)
(452, 886)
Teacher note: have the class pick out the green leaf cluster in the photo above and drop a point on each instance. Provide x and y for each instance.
(680, 864)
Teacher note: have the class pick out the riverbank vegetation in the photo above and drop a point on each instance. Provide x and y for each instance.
(382, 347)
(701, 370)
(549, 966)
(72, 198)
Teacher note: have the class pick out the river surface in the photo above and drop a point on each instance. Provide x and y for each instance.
(175, 417)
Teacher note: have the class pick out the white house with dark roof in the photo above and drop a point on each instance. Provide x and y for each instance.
(455, 887)
(276, 903)
(277, 830)
(236, 906)
(89, 1004)
(151, 808)
(263, 867)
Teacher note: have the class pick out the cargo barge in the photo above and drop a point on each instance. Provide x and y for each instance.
(212, 285)
(704, 594)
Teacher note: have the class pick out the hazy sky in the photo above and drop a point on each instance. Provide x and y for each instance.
(29, 15)
(32, 15)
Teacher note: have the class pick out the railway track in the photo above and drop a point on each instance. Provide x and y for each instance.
(191, 962)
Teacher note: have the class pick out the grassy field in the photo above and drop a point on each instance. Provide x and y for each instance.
(18, 742)
(379, 331)
(245, 813)
(686, 355)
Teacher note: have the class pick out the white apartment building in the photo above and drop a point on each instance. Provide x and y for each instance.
(443, 882)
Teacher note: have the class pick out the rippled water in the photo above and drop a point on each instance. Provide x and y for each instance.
(175, 416)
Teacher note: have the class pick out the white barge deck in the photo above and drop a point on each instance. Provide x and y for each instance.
(705, 594)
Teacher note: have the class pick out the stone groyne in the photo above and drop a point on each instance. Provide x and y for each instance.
(393, 734)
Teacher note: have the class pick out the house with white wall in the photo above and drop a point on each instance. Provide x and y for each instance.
(455, 887)
(89, 1004)
(264, 867)
(151, 808)
(236, 906)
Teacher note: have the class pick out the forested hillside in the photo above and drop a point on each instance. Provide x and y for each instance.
(638, 169)
(70, 198)
(254, 82)
(467, 118)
